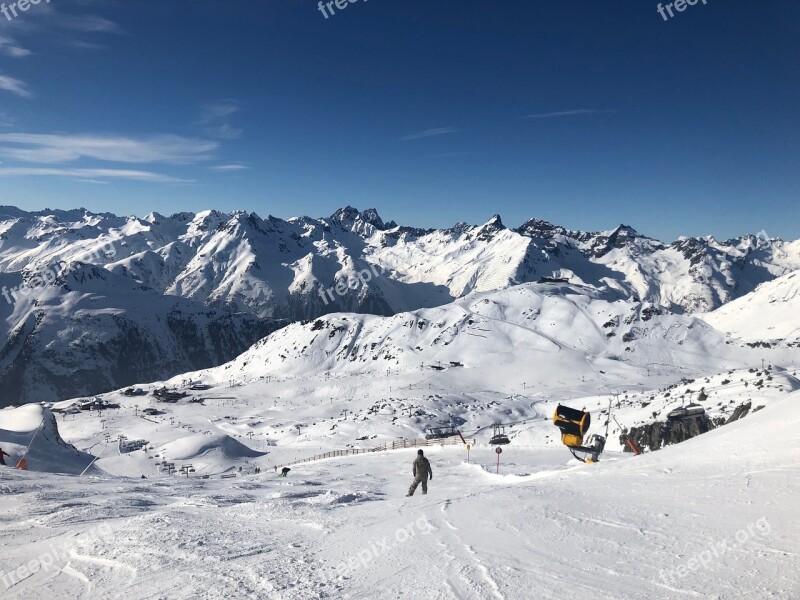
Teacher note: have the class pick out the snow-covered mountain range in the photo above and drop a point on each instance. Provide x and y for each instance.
(93, 302)
(277, 268)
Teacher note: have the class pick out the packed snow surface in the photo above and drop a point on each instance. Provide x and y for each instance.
(714, 517)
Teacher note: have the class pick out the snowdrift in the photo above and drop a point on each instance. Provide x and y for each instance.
(205, 446)
(49, 452)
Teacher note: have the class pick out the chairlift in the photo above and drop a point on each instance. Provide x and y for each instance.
(574, 424)
(438, 433)
(690, 411)
(499, 437)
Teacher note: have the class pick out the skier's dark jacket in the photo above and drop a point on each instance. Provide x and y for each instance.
(422, 468)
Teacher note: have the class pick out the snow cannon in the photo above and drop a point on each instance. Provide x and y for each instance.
(574, 424)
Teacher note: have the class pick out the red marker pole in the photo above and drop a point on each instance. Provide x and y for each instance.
(499, 451)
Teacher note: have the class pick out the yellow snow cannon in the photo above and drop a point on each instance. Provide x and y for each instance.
(574, 424)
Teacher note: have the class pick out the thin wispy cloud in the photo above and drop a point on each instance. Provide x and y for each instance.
(427, 133)
(450, 154)
(230, 168)
(69, 29)
(48, 148)
(220, 110)
(89, 24)
(15, 86)
(10, 47)
(91, 175)
(216, 118)
(49, 17)
(92, 181)
(565, 113)
(84, 45)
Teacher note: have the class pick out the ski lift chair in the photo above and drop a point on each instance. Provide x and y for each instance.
(439, 433)
(499, 437)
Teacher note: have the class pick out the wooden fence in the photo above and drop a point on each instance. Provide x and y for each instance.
(403, 443)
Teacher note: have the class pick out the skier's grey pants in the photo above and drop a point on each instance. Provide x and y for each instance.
(423, 479)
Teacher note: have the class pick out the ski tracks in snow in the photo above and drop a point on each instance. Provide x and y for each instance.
(466, 576)
(100, 573)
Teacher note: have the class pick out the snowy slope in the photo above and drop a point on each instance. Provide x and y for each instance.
(556, 331)
(36, 427)
(92, 331)
(769, 313)
(713, 517)
(509, 357)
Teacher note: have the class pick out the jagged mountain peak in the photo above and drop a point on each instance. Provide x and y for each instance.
(182, 217)
(534, 227)
(364, 223)
(460, 228)
(626, 230)
(208, 219)
(489, 229)
(154, 218)
(495, 222)
(240, 261)
(621, 237)
(371, 216)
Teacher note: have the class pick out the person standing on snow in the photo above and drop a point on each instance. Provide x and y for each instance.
(422, 470)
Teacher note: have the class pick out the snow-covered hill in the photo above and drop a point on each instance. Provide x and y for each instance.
(563, 329)
(92, 331)
(36, 427)
(186, 501)
(508, 356)
(769, 313)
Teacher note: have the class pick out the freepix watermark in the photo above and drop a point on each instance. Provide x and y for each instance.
(351, 283)
(11, 11)
(328, 7)
(376, 549)
(56, 556)
(666, 11)
(715, 551)
(49, 274)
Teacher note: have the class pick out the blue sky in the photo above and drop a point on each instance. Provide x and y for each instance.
(584, 113)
